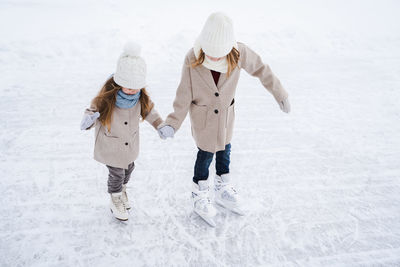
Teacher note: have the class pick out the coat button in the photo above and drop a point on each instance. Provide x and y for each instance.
(126, 144)
(216, 111)
(126, 123)
(216, 94)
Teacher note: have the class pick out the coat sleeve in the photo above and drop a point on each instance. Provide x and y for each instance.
(90, 111)
(253, 64)
(153, 117)
(183, 98)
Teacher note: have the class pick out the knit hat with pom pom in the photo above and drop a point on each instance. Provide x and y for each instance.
(131, 68)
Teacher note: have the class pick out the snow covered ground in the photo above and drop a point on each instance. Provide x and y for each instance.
(322, 184)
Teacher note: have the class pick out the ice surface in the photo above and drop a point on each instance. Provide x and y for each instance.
(321, 184)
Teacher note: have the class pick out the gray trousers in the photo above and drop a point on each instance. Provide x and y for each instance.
(117, 177)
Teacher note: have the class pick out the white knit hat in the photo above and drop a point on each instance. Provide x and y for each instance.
(131, 68)
(217, 38)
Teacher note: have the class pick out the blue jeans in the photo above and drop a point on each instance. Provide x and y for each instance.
(203, 161)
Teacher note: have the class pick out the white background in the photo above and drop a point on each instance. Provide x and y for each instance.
(321, 184)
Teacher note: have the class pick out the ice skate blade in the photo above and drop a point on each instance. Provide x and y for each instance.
(122, 220)
(235, 210)
(210, 221)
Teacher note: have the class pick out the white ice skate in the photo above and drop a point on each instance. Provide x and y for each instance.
(201, 202)
(117, 207)
(226, 195)
(125, 199)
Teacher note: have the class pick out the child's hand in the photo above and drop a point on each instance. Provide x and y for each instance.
(284, 105)
(88, 120)
(166, 131)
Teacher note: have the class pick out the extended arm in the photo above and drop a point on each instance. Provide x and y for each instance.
(253, 64)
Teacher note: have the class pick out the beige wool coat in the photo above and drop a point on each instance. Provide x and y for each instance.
(120, 146)
(212, 107)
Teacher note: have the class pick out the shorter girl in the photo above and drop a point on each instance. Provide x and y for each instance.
(115, 112)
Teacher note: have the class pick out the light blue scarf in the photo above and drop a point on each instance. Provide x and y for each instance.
(126, 101)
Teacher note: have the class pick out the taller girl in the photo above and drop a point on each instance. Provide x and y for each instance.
(207, 90)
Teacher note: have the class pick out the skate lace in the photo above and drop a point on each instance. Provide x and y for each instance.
(201, 198)
(124, 196)
(226, 187)
(118, 203)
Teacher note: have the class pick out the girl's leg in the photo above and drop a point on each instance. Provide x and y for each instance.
(202, 204)
(202, 164)
(222, 160)
(128, 172)
(225, 194)
(116, 178)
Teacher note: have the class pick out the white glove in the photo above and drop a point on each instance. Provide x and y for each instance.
(284, 105)
(166, 131)
(88, 120)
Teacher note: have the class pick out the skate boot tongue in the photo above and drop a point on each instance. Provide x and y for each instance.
(225, 178)
(203, 185)
(115, 195)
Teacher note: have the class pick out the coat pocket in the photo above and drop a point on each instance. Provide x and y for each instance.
(198, 116)
(230, 116)
(108, 145)
(109, 134)
(134, 136)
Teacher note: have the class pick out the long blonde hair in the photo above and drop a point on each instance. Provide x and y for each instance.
(232, 58)
(106, 98)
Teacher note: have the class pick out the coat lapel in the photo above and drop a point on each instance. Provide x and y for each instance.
(223, 78)
(206, 76)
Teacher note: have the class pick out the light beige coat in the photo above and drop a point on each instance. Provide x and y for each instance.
(120, 146)
(212, 107)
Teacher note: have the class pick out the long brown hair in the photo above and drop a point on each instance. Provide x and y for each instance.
(232, 58)
(106, 98)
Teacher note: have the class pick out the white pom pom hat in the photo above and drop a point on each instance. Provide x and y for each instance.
(131, 68)
(217, 37)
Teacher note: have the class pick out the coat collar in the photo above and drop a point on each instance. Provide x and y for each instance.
(207, 77)
(221, 80)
